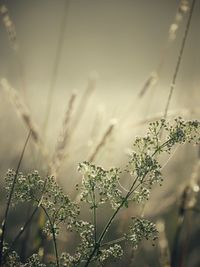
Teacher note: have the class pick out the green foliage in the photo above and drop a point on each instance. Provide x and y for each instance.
(100, 186)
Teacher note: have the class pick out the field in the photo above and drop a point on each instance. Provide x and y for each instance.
(100, 133)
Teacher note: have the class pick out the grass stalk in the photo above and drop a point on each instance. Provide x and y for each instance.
(180, 56)
(53, 234)
(27, 223)
(55, 67)
(84, 102)
(153, 78)
(4, 223)
(94, 216)
(24, 113)
(64, 138)
(103, 140)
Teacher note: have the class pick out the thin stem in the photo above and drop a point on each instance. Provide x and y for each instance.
(106, 229)
(108, 224)
(22, 229)
(4, 223)
(174, 78)
(29, 220)
(131, 190)
(54, 235)
(26, 236)
(94, 216)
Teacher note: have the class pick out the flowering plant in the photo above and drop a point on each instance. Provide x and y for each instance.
(98, 187)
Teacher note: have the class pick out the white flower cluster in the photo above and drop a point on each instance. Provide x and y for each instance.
(103, 183)
(140, 229)
(100, 186)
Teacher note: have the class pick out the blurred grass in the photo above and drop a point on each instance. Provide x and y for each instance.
(106, 151)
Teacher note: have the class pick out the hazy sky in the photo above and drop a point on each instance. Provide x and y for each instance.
(121, 40)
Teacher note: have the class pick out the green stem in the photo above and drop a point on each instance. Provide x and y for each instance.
(97, 244)
(29, 220)
(131, 190)
(54, 235)
(4, 223)
(94, 216)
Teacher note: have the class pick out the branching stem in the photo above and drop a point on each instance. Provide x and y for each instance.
(131, 190)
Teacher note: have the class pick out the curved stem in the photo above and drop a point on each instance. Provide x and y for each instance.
(22, 230)
(4, 223)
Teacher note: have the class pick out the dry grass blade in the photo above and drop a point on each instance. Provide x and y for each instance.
(66, 134)
(149, 83)
(153, 78)
(9, 26)
(155, 75)
(103, 140)
(12, 36)
(84, 102)
(24, 113)
(63, 140)
(21, 109)
(56, 66)
(183, 8)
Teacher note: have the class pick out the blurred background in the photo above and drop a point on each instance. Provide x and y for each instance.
(87, 77)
